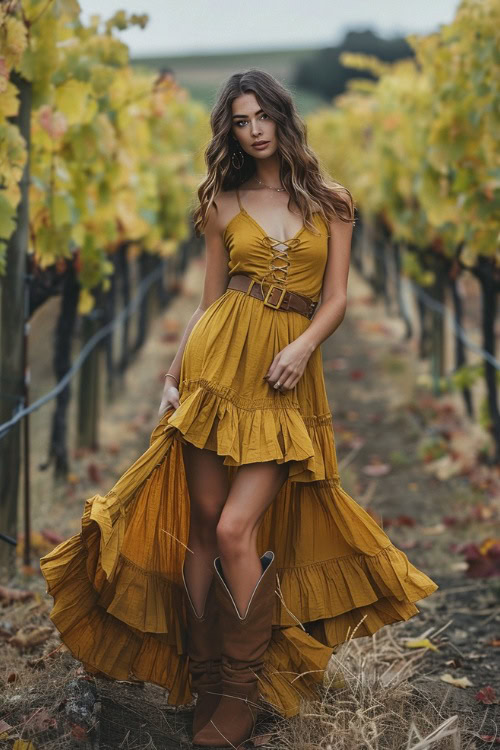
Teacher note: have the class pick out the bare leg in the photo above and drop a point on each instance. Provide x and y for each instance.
(253, 489)
(208, 486)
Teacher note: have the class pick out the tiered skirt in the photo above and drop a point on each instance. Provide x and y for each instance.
(118, 594)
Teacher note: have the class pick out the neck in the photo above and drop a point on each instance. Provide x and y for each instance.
(268, 170)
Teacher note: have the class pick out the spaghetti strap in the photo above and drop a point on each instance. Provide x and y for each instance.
(239, 201)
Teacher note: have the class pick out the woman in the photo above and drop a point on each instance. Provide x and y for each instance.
(241, 471)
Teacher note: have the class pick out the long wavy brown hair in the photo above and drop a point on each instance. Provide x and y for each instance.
(310, 187)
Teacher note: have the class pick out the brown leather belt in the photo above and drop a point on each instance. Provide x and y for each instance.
(275, 297)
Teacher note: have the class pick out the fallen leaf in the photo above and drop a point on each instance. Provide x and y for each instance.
(80, 733)
(40, 720)
(52, 536)
(94, 472)
(376, 469)
(356, 374)
(494, 642)
(420, 643)
(438, 528)
(14, 595)
(23, 745)
(31, 638)
(461, 682)
(408, 544)
(486, 695)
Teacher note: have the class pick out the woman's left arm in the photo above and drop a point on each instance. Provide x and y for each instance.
(289, 365)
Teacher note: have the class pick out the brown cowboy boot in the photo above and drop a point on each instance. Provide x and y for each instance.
(244, 642)
(204, 652)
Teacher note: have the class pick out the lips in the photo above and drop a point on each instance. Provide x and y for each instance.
(260, 144)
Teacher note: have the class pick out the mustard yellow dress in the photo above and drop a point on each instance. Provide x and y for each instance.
(117, 586)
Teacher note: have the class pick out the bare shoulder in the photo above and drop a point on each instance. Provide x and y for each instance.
(224, 208)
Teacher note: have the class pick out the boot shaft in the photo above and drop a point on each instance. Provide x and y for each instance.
(245, 639)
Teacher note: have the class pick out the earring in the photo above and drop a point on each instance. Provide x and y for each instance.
(241, 159)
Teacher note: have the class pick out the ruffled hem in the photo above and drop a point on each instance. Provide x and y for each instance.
(119, 599)
(243, 431)
(331, 588)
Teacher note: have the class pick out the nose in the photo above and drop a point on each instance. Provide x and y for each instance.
(255, 128)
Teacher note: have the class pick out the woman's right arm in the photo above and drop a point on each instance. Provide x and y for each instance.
(215, 284)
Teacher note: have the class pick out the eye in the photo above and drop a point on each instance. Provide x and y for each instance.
(241, 122)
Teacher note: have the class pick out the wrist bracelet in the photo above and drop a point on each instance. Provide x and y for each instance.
(172, 376)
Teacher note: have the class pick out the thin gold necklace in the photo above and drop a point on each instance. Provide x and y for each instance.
(278, 190)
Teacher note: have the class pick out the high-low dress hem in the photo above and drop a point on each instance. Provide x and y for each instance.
(117, 586)
(120, 607)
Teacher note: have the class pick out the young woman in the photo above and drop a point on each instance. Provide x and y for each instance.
(228, 561)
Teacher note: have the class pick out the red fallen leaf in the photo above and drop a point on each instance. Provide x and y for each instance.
(405, 520)
(490, 738)
(78, 732)
(12, 677)
(486, 695)
(483, 561)
(4, 727)
(94, 472)
(15, 595)
(450, 520)
(494, 642)
(51, 536)
(356, 374)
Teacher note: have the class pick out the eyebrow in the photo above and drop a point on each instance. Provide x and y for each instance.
(245, 116)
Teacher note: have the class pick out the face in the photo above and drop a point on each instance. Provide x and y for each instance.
(251, 125)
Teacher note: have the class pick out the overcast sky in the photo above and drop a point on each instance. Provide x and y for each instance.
(186, 26)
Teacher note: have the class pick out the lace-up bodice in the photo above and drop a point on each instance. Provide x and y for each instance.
(296, 264)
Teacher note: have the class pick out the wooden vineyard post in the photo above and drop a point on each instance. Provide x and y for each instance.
(12, 302)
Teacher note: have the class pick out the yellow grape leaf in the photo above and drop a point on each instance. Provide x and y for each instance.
(420, 643)
(9, 101)
(461, 682)
(23, 745)
(15, 39)
(85, 302)
(74, 100)
(7, 218)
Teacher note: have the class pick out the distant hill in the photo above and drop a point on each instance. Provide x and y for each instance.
(202, 75)
(314, 75)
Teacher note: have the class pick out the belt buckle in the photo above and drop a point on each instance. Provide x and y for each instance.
(269, 291)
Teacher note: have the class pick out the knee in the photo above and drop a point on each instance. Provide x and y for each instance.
(204, 519)
(233, 535)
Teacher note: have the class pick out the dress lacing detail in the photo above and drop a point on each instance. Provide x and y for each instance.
(279, 262)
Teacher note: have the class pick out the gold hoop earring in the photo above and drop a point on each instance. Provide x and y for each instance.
(241, 158)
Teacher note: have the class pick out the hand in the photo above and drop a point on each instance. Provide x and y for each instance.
(288, 366)
(169, 399)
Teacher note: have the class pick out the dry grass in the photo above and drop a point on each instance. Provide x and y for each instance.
(46, 698)
(378, 708)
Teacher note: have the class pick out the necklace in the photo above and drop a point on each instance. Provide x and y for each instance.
(278, 190)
